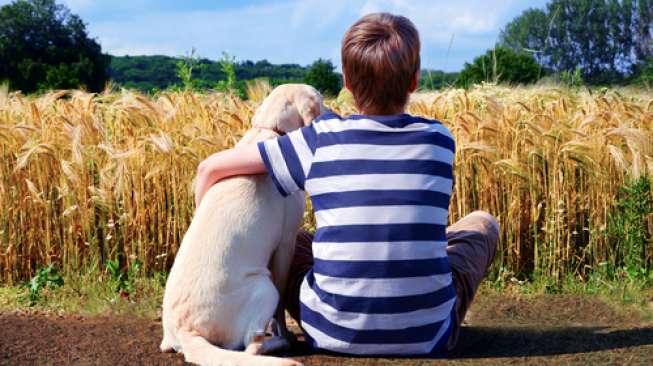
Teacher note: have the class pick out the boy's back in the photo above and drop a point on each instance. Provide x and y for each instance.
(380, 188)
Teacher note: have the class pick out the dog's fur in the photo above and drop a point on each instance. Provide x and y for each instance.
(231, 269)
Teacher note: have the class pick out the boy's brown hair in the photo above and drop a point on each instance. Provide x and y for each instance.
(380, 56)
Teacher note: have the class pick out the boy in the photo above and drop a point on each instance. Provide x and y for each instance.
(383, 274)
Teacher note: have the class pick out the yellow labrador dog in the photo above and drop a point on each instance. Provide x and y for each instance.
(231, 269)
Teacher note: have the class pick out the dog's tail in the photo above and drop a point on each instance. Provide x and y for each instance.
(199, 351)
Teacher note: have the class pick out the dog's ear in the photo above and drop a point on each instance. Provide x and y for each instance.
(309, 110)
(288, 108)
(310, 105)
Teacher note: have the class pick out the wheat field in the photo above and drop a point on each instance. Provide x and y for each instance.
(90, 177)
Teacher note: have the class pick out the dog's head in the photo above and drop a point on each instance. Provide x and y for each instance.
(289, 107)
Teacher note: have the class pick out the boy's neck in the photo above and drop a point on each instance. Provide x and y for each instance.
(376, 113)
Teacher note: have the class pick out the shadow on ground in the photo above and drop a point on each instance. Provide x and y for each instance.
(508, 342)
(488, 342)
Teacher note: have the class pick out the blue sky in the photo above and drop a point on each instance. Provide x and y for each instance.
(293, 31)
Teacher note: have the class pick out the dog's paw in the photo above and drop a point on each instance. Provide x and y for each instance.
(289, 362)
(254, 348)
(168, 347)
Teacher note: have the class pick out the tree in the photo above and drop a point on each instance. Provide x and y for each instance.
(607, 39)
(501, 65)
(44, 46)
(322, 76)
(527, 33)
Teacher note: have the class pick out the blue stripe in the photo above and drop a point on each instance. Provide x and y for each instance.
(404, 197)
(382, 232)
(291, 159)
(439, 350)
(424, 333)
(382, 305)
(356, 167)
(382, 269)
(397, 120)
(385, 138)
(326, 116)
(268, 166)
(310, 136)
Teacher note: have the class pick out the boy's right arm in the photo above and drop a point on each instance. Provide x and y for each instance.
(287, 159)
(242, 160)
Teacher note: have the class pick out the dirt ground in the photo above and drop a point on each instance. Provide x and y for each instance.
(501, 329)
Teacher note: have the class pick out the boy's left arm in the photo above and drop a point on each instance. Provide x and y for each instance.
(242, 160)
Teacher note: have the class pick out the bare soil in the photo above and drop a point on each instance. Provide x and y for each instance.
(501, 329)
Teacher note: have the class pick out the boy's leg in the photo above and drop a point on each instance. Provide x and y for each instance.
(472, 245)
(301, 264)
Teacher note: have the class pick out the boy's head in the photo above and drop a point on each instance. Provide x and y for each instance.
(380, 62)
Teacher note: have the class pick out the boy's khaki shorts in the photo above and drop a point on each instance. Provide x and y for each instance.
(471, 249)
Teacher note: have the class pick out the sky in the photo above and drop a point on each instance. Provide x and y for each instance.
(293, 31)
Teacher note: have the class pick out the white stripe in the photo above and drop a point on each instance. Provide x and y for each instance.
(378, 251)
(385, 152)
(301, 148)
(326, 342)
(343, 183)
(337, 125)
(370, 215)
(382, 287)
(362, 321)
(279, 166)
(440, 128)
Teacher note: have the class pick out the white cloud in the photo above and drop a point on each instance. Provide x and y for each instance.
(437, 19)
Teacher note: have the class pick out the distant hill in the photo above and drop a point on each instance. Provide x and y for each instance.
(149, 73)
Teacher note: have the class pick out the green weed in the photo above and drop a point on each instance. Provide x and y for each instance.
(122, 281)
(628, 229)
(45, 276)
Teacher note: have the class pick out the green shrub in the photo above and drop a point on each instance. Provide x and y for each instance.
(644, 75)
(572, 79)
(45, 276)
(501, 65)
(122, 280)
(628, 228)
(230, 85)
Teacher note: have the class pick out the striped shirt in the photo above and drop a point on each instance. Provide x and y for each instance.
(380, 188)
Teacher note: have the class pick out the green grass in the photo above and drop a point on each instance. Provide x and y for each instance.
(94, 292)
(89, 293)
(622, 292)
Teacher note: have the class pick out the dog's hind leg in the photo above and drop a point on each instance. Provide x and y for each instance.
(199, 351)
(260, 308)
(279, 267)
(168, 344)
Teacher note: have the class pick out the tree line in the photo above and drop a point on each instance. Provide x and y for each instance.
(151, 73)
